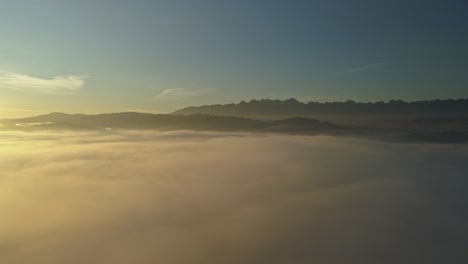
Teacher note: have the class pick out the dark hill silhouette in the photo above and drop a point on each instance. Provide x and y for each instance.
(426, 121)
(292, 107)
(133, 120)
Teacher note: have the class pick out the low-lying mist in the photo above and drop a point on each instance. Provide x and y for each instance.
(188, 197)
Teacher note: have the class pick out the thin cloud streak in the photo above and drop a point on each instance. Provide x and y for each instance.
(360, 68)
(63, 84)
(181, 92)
(166, 92)
(16, 109)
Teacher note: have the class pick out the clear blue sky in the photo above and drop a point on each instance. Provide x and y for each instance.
(161, 55)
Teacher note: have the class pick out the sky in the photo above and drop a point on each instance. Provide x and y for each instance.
(94, 56)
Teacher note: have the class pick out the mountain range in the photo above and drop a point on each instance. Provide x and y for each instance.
(134, 120)
(427, 121)
(293, 107)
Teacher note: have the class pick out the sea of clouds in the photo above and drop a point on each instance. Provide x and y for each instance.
(187, 197)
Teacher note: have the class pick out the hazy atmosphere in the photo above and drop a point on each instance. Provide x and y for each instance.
(233, 131)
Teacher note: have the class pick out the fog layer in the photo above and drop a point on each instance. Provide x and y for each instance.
(183, 197)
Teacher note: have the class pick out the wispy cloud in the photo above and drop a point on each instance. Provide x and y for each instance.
(360, 68)
(140, 110)
(166, 92)
(16, 109)
(65, 84)
(182, 92)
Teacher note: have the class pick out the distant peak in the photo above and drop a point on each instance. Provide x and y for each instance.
(56, 114)
(292, 106)
(254, 101)
(292, 100)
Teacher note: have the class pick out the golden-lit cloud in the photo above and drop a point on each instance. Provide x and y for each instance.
(67, 84)
(185, 197)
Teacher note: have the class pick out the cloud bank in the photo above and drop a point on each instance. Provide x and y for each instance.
(186, 197)
(68, 84)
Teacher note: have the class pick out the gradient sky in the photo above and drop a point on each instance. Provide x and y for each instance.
(95, 56)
